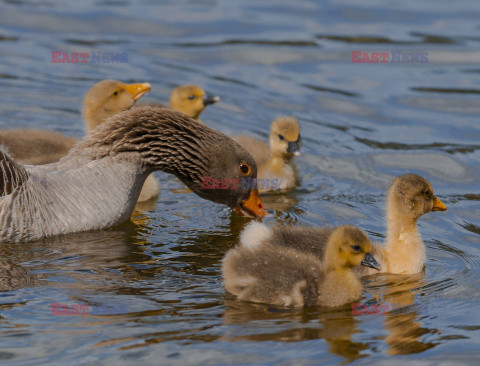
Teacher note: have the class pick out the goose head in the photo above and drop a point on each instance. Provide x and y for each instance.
(409, 197)
(109, 97)
(348, 247)
(191, 100)
(285, 138)
(208, 162)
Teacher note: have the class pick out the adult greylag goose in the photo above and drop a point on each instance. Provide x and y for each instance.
(409, 197)
(276, 168)
(97, 184)
(266, 273)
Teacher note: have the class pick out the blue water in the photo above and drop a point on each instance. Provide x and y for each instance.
(151, 289)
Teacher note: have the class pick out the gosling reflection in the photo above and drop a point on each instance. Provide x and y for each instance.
(295, 325)
(401, 313)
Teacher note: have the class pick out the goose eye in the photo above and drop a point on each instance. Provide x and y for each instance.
(191, 97)
(281, 137)
(356, 248)
(244, 169)
(427, 194)
(115, 93)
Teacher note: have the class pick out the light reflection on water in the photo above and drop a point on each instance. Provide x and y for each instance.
(361, 126)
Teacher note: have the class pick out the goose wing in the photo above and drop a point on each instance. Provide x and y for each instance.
(12, 175)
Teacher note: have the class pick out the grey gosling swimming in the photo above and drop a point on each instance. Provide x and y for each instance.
(280, 275)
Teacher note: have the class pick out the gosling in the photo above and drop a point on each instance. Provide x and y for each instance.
(284, 276)
(276, 167)
(409, 197)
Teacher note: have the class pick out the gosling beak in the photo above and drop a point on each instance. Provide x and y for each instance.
(369, 261)
(293, 148)
(438, 205)
(138, 90)
(210, 99)
(252, 206)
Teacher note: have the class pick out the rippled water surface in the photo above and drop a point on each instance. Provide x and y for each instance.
(154, 284)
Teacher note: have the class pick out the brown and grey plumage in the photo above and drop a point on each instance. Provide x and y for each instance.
(97, 184)
(409, 197)
(275, 161)
(189, 99)
(285, 276)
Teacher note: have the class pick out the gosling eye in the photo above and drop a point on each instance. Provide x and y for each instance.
(191, 97)
(244, 169)
(281, 137)
(356, 248)
(115, 93)
(428, 194)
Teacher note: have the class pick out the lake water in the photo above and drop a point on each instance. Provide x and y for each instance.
(151, 289)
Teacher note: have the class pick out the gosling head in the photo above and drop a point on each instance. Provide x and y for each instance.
(409, 197)
(109, 97)
(348, 247)
(285, 138)
(191, 100)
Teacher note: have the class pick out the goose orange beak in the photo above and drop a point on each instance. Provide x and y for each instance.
(438, 205)
(252, 206)
(138, 90)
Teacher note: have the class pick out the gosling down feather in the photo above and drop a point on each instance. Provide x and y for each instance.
(276, 168)
(97, 184)
(189, 99)
(263, 272)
